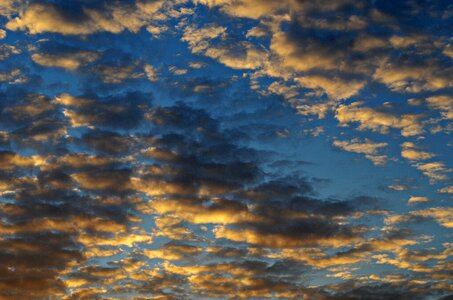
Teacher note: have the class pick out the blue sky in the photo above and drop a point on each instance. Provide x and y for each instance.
(243, 149)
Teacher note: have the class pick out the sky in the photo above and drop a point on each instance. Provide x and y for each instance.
(226, 149)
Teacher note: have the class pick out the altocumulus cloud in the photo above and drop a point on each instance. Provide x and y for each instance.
(200, 149)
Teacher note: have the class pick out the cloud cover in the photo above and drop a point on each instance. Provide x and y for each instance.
(156, 150)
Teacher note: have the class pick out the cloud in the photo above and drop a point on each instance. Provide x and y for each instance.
(69, 61)
(246, 279)
(107, 142)
(257, 32)
(177, 71)
(188, 172)
(189, 189)
(446, 190)
(150, 72)
(412, 78)
(308, 53)
(106, 192)
(442, 215)
(281, 227)
(443, 103)
(69, 100)
(409, 152)
(366, 43)
(29, 273)
(9, 7)
(398, 41)
(398, 187)
(32, 107)
(285, 238)
(320, 109)
(368, 148)
(45, 17)
(13, 76)
(198, 38)
(112, 74)
(172, 251)
(111, 112)
(241, 56)
(32, 120)
(238, 55)
(434, 170)
(108, 180)
(336, 87)
(46, 208)
(8, 50)
(245, 8)
(10, 160)
(389, 242)
(414, 199)
(314, 132)
(222, 212)
(382, 291)
(59, 197)
(375, 120)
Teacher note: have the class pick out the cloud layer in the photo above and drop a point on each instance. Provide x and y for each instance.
(214, 149)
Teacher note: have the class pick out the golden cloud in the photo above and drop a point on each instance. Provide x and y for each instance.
(40, 18)
(373, 119)
(69, 61)
(368, 148)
